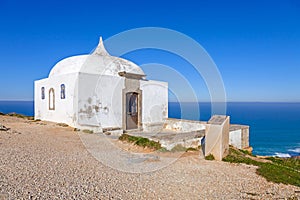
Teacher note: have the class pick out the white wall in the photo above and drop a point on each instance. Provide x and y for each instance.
(63, 107)
(100, 100)
(184, 125)
(93, 100)
(235, 138)
(154, 101)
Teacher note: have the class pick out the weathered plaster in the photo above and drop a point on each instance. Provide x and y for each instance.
(64, 110)
(184, 125)
(96, 86)
(155, 104)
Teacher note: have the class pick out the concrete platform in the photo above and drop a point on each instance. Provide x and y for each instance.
(169, 139)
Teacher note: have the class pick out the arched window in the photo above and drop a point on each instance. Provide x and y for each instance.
(51, 99)
(43, 92)
(62, 91)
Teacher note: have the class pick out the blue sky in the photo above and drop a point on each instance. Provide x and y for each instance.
(255, 44)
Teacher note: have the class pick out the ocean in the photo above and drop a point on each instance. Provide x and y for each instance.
(274, 127)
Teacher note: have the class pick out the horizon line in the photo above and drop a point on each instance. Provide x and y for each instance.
(188, 101)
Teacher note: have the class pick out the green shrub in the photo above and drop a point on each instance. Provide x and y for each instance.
(87, 131)
(209, 157)
(279, 170)
(163, 150)
(140, 141)
(178, 147)
(246, 152)
(279, 174)
(62, 124)
(192, 149)
(20, 116)
(288, 162)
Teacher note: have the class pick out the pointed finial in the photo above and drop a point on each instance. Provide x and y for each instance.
(100, 50)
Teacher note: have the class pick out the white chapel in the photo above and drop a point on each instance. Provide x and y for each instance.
(101, 92)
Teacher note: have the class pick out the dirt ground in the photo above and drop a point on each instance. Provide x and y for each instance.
(43, 160)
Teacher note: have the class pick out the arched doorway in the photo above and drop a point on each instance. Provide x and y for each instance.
(51, 99)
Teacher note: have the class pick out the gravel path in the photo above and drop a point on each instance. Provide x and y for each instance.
(41, 160)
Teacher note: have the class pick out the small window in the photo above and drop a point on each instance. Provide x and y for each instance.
(62, 91)
(43, 92)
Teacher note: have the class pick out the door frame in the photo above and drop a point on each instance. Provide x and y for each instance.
(139, 107)
(129, 104)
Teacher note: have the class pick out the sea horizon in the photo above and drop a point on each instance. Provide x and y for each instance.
(274, 126)
(191, 101)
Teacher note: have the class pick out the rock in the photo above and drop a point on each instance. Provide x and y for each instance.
(3, 128)
(249, 149)
(62, 124)
(296, 157)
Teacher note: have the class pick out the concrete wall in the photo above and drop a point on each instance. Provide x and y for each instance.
(63, 111)
(97, 102)
(245, 138)
(155, 104)
(239, 136)
(235, 138)
(184, 125)
(100, 100)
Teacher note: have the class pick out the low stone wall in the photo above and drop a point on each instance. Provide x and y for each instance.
(238, 134)
(182, 125)
(189, 143)
(153, 127)
(217, 134)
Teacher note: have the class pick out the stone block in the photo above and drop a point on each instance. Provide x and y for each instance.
(217, 137)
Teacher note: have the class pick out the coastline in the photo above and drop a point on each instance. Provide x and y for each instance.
(284, 152)
(44, 159)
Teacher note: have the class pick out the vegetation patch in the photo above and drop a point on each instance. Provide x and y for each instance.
(140, 141)
(274, 169)
(62, 124)
(87, 131)
(247, 152)
(178, 148)
(193, 149)
(163, 150)
(209, 157)
(288, 162)
(20, 116)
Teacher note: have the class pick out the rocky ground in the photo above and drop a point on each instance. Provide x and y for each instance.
(43, 160)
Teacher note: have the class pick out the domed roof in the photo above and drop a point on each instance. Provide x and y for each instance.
(99, 62)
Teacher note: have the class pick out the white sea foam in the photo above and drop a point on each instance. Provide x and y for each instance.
(296, 150)
(282, 155)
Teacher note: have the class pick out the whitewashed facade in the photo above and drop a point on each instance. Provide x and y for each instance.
(100, 91)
